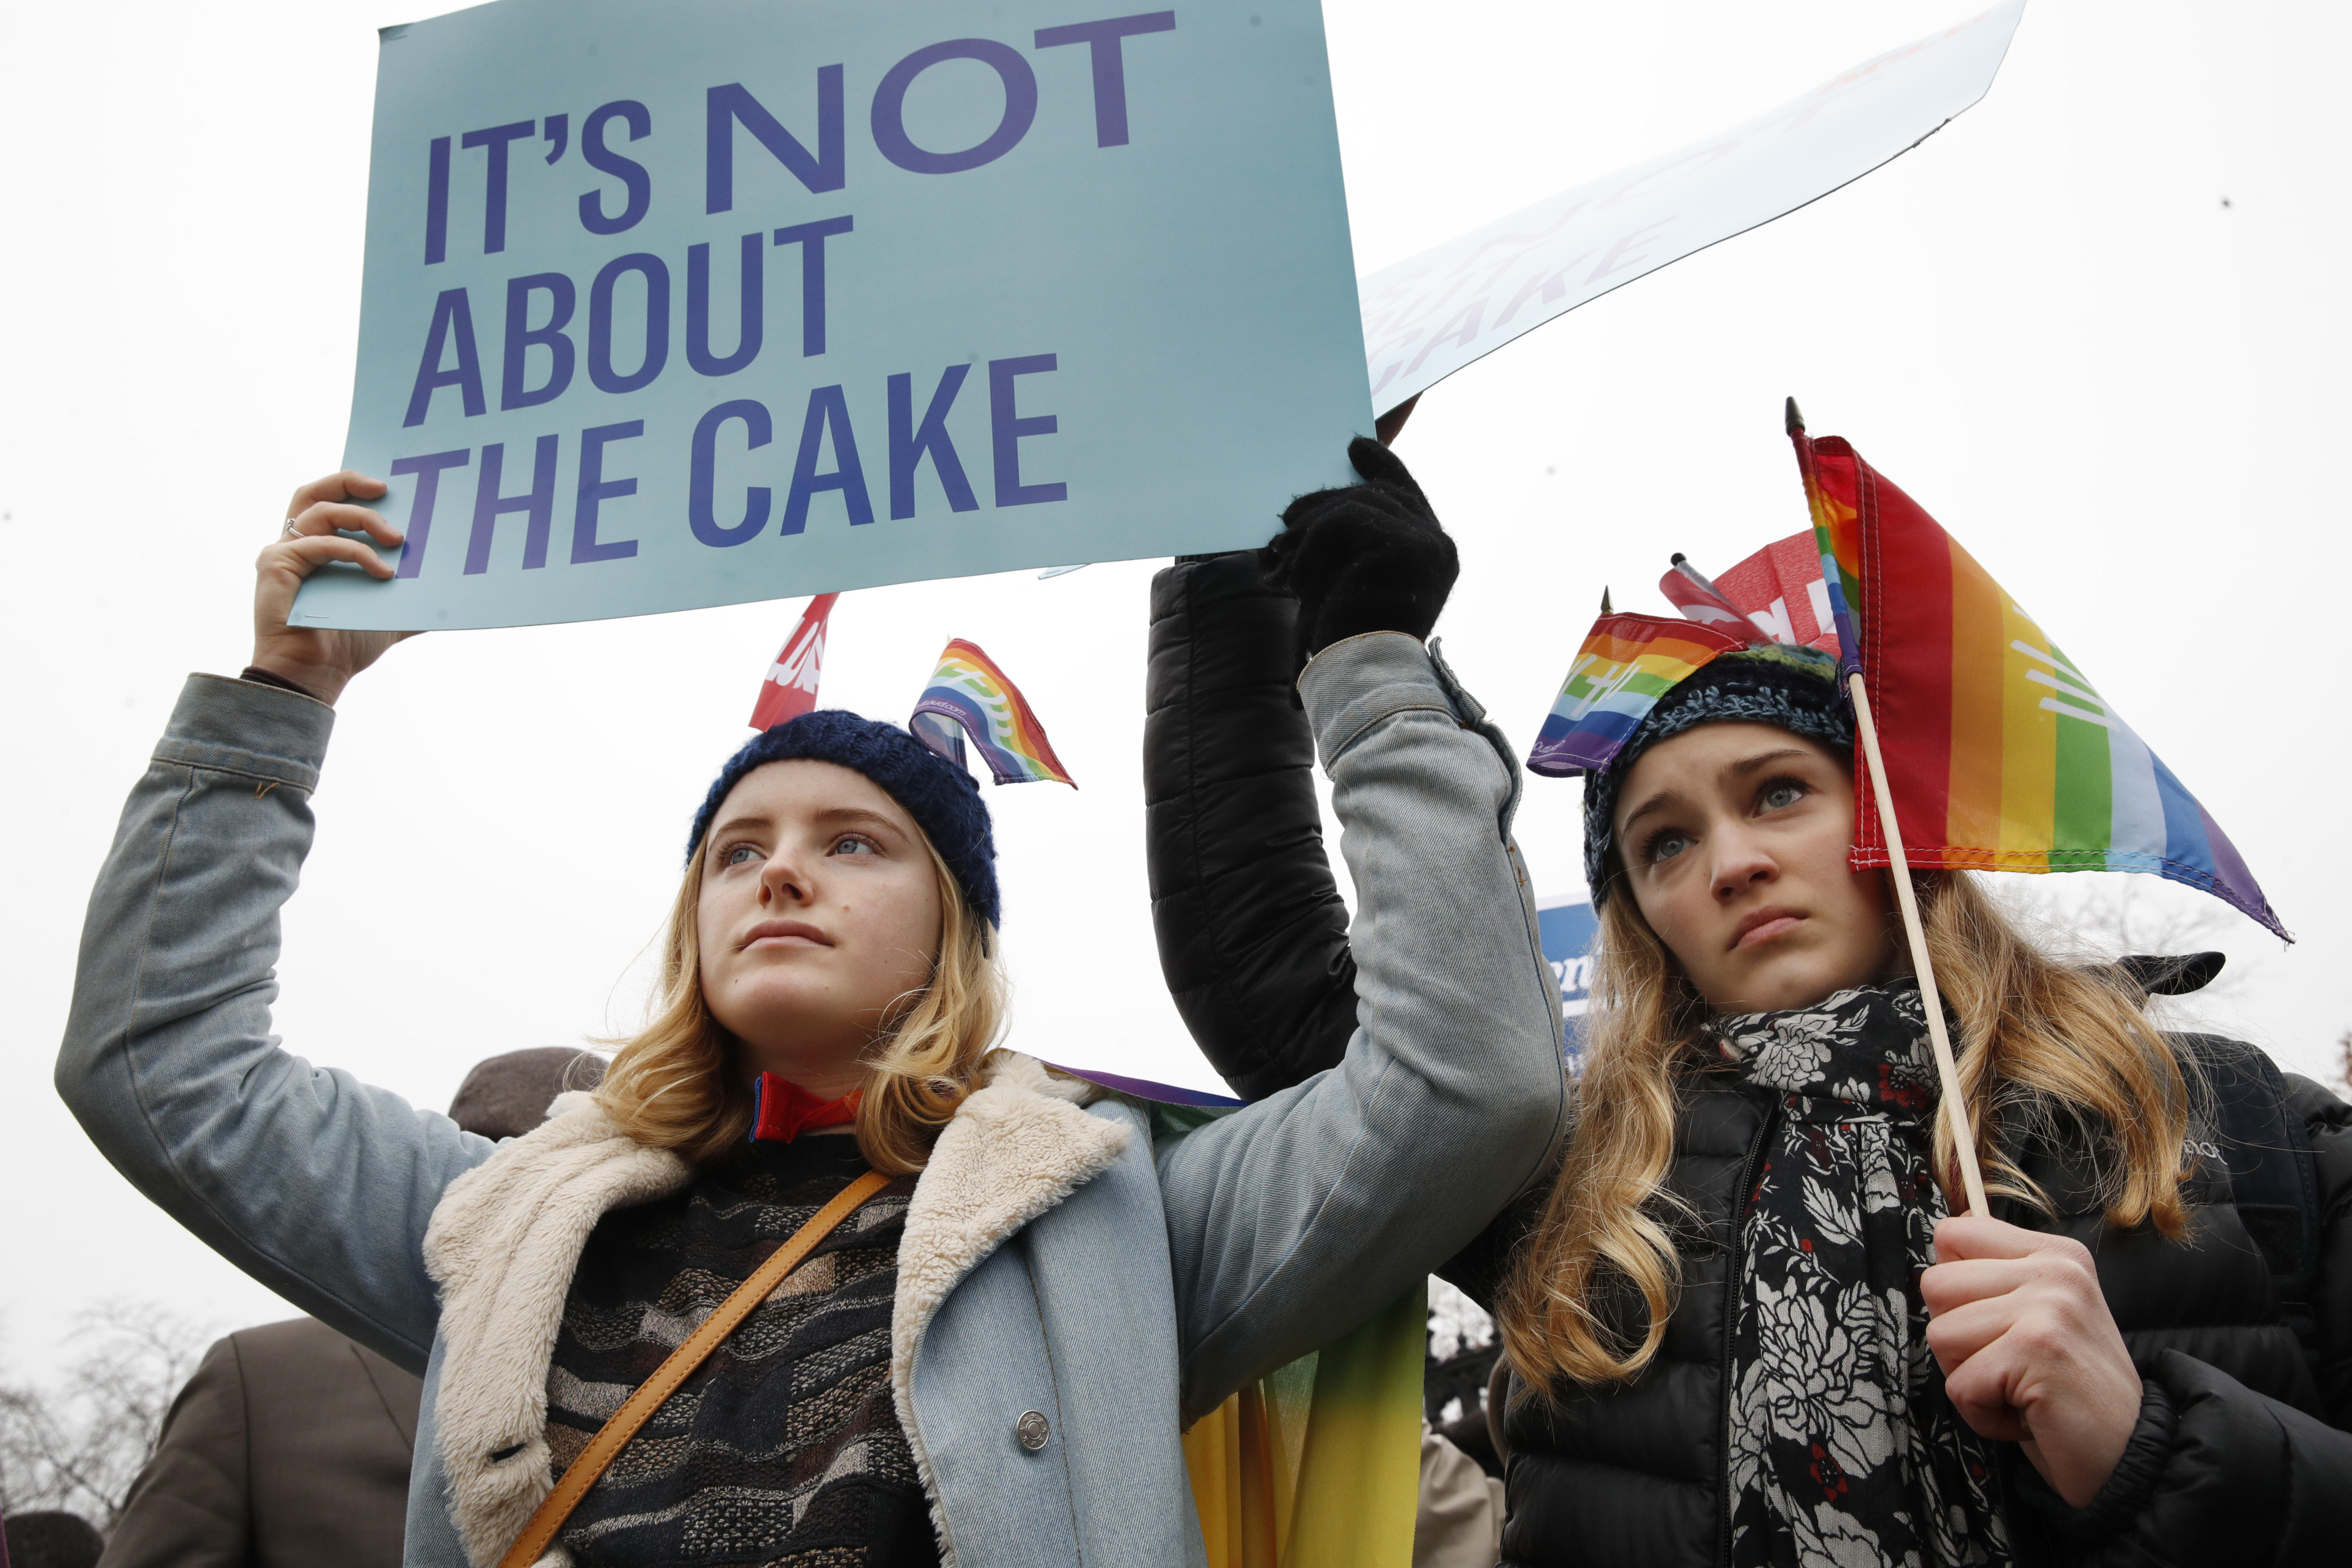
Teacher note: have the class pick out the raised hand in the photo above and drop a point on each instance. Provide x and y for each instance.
(1367, 558)
(2031, 1354)
(319, 661)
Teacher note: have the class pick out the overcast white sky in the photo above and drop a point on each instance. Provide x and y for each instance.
(2097, 325)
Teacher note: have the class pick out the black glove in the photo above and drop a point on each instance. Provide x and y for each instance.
(1369, 558)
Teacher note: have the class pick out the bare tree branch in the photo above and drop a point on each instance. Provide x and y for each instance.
(78, 1441)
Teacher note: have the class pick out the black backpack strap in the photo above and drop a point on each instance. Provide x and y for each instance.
(2274, 1175)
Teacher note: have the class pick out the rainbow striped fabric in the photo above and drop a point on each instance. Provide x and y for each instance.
(2000, 754)
(1626, 663)
(1837, 521)
(1317, 1464)
(970, 692)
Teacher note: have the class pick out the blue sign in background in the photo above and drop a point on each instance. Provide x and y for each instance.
(692, 303)
(1568, 928)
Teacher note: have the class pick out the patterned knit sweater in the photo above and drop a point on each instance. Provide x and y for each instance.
(784, 1446)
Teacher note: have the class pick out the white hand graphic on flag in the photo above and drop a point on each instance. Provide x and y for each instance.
(790, 688)
(799, 668)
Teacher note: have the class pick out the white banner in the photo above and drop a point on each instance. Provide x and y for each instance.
(1426, 318)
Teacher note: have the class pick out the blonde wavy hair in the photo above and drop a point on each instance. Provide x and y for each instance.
(2049, 1050)
(681, 1084)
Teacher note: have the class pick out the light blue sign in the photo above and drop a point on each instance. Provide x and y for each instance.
(711, 301)
(1569, 928)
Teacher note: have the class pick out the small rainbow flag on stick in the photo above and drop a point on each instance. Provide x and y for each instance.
(1626, 663)
(2000, 754)
(971, 693)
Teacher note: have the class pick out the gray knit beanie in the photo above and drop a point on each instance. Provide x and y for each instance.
(1793, 688)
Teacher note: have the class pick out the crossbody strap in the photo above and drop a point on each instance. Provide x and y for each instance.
(614, 1435)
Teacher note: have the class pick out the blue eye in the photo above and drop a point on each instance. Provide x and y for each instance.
(737, 854)
(1665, 846)
(1781, 792)
(854, 845)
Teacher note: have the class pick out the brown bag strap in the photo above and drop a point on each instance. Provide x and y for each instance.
(614, 1435)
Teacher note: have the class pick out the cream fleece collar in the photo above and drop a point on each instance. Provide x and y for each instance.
(508, 1235)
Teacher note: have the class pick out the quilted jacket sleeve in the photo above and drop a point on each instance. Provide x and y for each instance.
(2216, 1472)
(1297, 1216)
(1253, 934)
(2328, 1121)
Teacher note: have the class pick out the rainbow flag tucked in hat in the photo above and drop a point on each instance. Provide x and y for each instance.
(1836, 534)
(1626, 663)
(2000, 754)
(970, 691)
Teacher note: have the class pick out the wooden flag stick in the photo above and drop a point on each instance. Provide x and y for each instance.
(1947, 1070)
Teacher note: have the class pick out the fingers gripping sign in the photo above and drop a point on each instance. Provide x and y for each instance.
(2030, 1351)
(319, 520)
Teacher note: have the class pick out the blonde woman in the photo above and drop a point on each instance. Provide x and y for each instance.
(1741, 1328)
(991, 1361)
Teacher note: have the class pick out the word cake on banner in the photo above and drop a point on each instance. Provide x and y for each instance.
(721, 301)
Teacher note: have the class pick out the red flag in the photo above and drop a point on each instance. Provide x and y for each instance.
(1778, 591)
(789, 690)
(1701, 600)
(1781, 589)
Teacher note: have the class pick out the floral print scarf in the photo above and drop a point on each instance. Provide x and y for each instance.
(1842, 1447)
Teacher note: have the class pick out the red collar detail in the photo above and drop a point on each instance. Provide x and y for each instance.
(782, 1110)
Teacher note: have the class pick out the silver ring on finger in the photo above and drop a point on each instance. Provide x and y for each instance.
(291, 531)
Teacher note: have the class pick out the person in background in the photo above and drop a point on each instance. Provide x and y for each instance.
(50, 1538)
(291, 1446)
(506, 1096)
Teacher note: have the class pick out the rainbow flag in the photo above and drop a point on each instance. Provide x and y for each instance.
(1316, 1464)
(1626, 663)
(1145, 1089)
(2000, 754)
(1837, 520)
(970, 692)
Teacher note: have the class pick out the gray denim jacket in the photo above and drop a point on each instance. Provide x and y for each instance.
(1126, 1309)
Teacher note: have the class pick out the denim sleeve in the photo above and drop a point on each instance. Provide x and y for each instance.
(316, 1185)
(1297, 1218)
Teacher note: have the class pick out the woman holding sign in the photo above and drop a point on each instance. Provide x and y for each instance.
(1741, 1328)
(978, 1301)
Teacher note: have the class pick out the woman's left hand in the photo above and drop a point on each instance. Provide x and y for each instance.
(2031, 1354)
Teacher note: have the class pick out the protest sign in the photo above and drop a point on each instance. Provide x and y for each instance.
(1427, 317)
(714, 301)
(1568, 927)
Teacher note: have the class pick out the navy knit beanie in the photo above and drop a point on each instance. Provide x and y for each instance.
(1791, 688)
(938, 794)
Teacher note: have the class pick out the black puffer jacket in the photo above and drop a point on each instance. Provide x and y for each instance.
(1253, 936)
(2241, 1455)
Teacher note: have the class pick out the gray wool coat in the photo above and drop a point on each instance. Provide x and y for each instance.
(1058, 1258)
